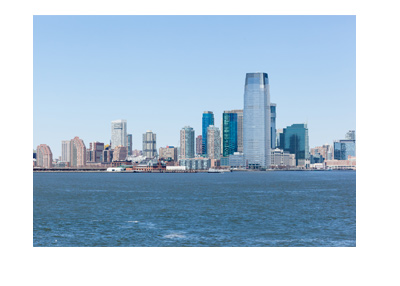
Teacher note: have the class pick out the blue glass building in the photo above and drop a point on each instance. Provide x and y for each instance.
(257, 121)
(344, 148)
(295, 141)
(229, 133)
(273, 125)
(208, 119)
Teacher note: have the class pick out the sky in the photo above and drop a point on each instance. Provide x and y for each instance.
(161, 73)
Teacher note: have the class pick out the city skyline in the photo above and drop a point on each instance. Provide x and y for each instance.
(306, 86)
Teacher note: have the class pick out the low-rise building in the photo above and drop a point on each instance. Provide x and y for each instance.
(195, 163)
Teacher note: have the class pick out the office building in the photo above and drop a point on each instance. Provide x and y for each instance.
(108, 156)
(295, 141)
(169, 153)
(118, 133)
(34, 154)
(344, 148)
(273, 125)
(149, 144)
(213, 142)
(66, 150)
(351, 135)
(195, 163)
(257, 121)
(120, 153)
(207, 120)
(280, 158)
(78, 153)
(279, 138)
(187, 142)
(236, 160)
(239, 113)
(229, 133)
(129, 144)
(95, 152)
(44, 156)
(199, 145)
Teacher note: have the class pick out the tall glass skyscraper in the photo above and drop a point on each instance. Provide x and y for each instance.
(229, 133)
(208, 119)
(118, 133)
(257, 121)
(273, 125)
(295, 140)
(344, 148)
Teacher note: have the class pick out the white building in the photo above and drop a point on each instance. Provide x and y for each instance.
(66, 150)
(118, 133)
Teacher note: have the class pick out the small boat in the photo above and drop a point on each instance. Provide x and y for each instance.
(211, 170)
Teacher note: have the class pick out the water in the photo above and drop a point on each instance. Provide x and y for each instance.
(281, 208)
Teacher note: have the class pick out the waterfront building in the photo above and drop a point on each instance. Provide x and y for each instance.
(236, 160)
(229, 133)
(66, 150)
(44, 156)
(118, 133)
(195, 163)
(257, 121)
(95, 152)
(199, 145)
(78, 153)
(239, 113)
(120, 153)
(213, 142)
(129, 143)
(168, 153)
(349, 163)
(273, 125)
(344, 148)
(351, 135)
(281, 158)
(295, 141)
(207, 120)
(149, 144)
(319, 152)
(187, 142)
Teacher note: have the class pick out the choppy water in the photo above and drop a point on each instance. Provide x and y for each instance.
(282, 208)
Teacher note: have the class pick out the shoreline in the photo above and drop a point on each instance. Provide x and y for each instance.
(175, 172)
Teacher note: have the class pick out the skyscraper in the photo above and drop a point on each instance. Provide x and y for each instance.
(118, 133)
(149, 144)
(213, 142)
(78, 153)
(257, 121)
(351, 135)
(273, 125)
(239, 113)
(129, 143)
(187, 142)
(229, 133)
(95, 152)
(66, 150)
(208, 119)
(199, 145)
(44, 156)
(344, 148)
(120, 153)
(295, 140)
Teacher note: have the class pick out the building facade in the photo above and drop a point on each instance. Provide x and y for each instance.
(344, 148)
(257, 121)
(213, 142)
(195, 163)
(168, 153)
(239, 113)
(78, 153)
(44, 156)
(282, 158)
(187, 142)
(118, 133)
(149, 144)
(229, 133)
(351, 135)
(295, 141)
(129, 143)
(273, 125)
(66, 150)
(120, 153)
(95, 152)
(199, 145)
(207, 120)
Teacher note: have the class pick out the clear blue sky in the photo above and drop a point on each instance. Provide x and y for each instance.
(161, 72)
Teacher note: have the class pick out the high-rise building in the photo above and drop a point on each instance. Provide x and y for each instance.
(257, 121)
(213, 142)
(44, 156)
(239, 113)
(95, 152)
(279, 138)
(120, 153)
(295, 141)
(168, 153)
(344, 148)
(129, 143)
(118, 133)
(273, 125)
(149, 144)
(351, 135)
(229, 133)
(78, 152)
(187, 142)
(66, 150)
(199, 145)
(207, 120)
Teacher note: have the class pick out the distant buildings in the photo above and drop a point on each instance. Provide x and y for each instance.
(95, 152)
(129, 143)
(213, 142)
(168, 153)
(44, 156)
(120, 153)
(273, 125)
(149, 144)
(195, 163)
(280, 158)
(295, 141)
(187, 142)
(229, 133)
(351, 135)
(118, 133)
(257, 121)
(199, 145)
(344, 148)
(66, 150)
(207, 120)
(239, 113)
(78, 153)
